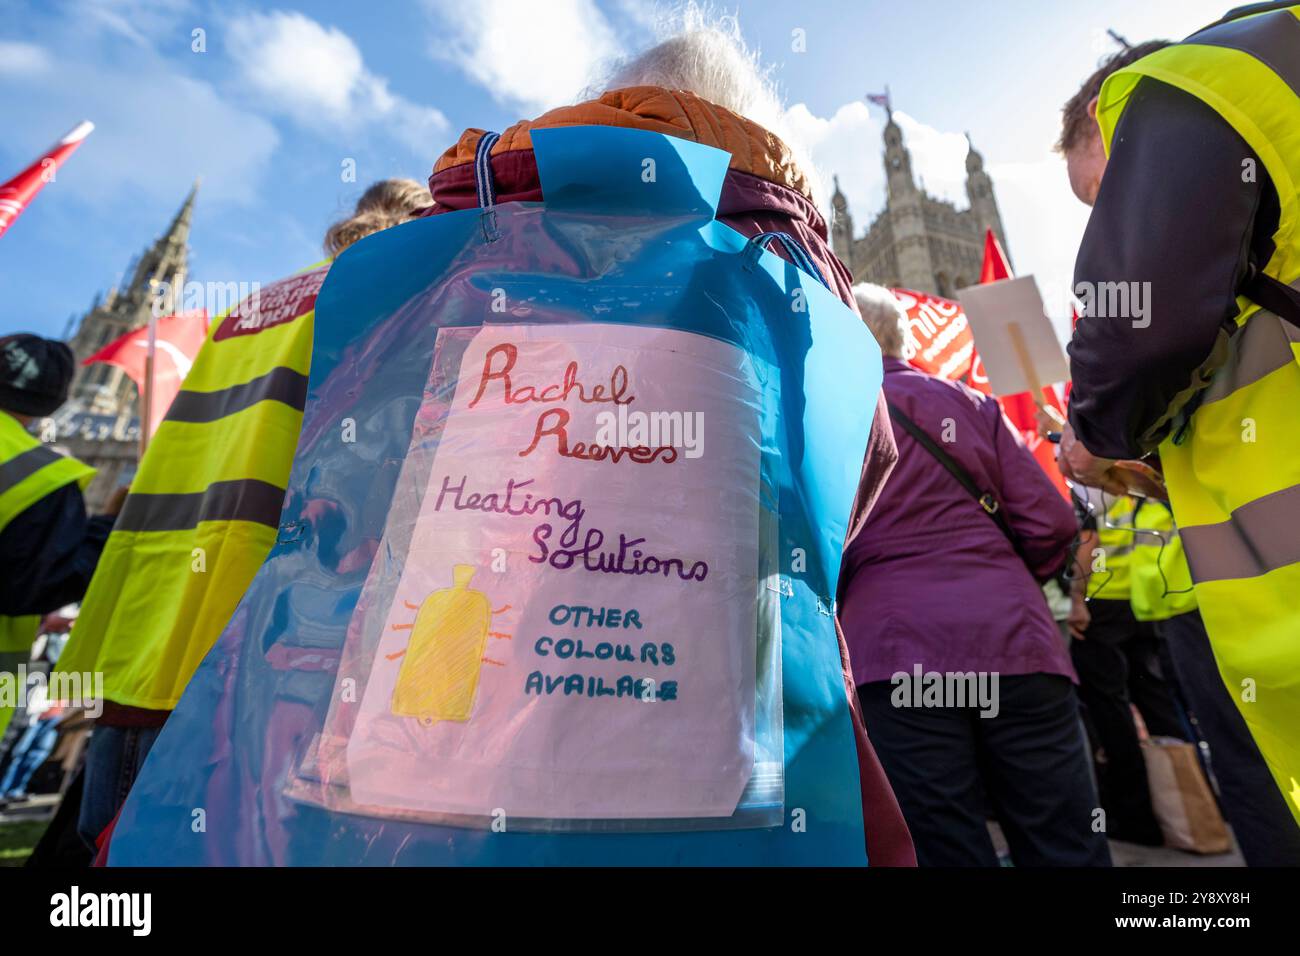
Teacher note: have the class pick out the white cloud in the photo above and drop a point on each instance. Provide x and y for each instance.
(155, 130)
(847, 145)
(22, 59)
(526, 54)
(136, 20)
(1044, 224)
(316, 75)
(1043, 221)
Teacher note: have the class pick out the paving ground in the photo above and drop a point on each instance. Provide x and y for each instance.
(21, 826)
(1131, 854)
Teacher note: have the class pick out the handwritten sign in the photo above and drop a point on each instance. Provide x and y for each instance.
(572, 635)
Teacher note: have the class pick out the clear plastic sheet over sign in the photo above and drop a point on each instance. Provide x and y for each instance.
(554, 577)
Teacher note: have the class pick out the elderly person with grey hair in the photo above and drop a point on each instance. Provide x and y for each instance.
(704, 85)
(937, 585)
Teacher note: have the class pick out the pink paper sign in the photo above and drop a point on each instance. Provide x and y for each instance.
(572, 635)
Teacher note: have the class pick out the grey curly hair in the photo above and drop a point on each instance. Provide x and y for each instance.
(884, 316)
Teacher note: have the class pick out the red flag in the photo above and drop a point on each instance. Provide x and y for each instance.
(996, 266)
(16, 194)
(177, 340)
(1021, 408)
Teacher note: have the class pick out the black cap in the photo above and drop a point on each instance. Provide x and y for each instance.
(35, 374)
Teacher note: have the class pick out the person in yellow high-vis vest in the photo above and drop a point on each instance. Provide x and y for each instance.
(203, 512)
(1162, 594)
(48, 544)
(1116, 660)
(1189, 276)
(1160, 583)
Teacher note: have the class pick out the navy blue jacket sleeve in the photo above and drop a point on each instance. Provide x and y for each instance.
(49, 552)
(1183, 206)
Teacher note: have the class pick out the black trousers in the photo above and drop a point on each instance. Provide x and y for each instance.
(1265, 830)
(1028, 763)
(1118, 665)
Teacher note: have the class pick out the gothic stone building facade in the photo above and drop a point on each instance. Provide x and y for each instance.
(917, 241)
(99, 424)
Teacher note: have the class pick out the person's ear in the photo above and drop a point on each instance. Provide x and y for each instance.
(1092, 107)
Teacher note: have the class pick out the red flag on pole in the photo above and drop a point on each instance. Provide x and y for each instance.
(1021, 409)
(17, 194)
(177, 340)
(996, 266)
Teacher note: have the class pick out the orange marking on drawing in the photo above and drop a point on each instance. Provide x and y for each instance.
(499, 634)
(502, 609)
(402, 627)
(413, 607)
(393, 657)
(488, 660)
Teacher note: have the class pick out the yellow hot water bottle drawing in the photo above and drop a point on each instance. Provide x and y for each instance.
(440, 670)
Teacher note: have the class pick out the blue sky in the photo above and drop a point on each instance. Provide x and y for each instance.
(284, 93)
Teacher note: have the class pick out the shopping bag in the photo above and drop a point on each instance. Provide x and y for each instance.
(1180, 795)
(554, 581)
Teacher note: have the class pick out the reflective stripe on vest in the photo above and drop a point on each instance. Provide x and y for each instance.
(1233, 469)
(29, 471)
(205, 505)
(1161, 585)
(1116, 537)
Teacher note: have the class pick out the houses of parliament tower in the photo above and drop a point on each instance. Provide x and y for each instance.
(100, 422)
(917, 241)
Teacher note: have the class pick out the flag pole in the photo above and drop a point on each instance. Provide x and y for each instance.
(146, 411)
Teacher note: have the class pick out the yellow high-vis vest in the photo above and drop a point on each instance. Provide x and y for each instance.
(204, 508)
(1115, 535)
(29, 471)
(1161, 582)
(1233, 468)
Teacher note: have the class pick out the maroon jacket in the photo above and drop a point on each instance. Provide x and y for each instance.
(933, 580)
(750, 204)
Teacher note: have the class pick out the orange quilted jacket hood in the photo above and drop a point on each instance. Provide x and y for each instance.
(673, 112)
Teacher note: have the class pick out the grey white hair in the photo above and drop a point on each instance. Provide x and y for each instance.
(884, 316)
(704, 53)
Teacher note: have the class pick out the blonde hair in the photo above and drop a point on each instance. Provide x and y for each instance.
(387, 203)
(883, 315)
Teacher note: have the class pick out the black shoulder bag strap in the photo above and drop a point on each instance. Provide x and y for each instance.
(986, 499)
(1278, 297)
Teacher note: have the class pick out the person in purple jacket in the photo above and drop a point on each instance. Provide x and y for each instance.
(964, 679)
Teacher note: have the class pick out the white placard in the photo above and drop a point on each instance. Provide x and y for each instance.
(1014, 336)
